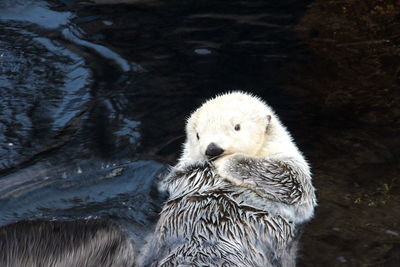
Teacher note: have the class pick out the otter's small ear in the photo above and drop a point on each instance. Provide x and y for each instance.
(268, 121)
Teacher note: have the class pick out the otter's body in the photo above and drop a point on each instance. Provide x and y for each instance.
(209, 222)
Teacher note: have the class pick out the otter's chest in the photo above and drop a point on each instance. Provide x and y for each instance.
(220, 214)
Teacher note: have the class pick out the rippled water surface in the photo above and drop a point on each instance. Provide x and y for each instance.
(94, 100)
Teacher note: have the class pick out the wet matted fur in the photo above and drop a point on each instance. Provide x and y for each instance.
(60, 244)
(209, 222)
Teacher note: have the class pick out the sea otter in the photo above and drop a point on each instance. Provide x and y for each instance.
(239, 194)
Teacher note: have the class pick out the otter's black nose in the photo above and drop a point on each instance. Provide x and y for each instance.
(213, 150)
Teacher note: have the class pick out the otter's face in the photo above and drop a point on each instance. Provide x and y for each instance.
(215, 133)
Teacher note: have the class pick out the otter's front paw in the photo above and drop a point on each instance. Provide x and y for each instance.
(225, 166)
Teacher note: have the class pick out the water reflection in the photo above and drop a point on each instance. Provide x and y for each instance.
(33, 12)
(44, 87)
(91, 190)
(47, 83)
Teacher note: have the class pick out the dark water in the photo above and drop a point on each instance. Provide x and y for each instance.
(94, 100)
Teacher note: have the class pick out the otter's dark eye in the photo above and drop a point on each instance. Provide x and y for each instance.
(198, 137)
(237, 127)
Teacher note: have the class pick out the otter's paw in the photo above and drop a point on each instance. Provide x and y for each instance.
(225, 168)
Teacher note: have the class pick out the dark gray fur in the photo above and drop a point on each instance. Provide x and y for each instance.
(207, 221)
(61, 244)
(282, 181)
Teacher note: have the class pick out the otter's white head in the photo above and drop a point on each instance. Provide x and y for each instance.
(233, 123)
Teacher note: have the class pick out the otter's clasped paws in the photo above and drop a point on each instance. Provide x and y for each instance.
(225, 166)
